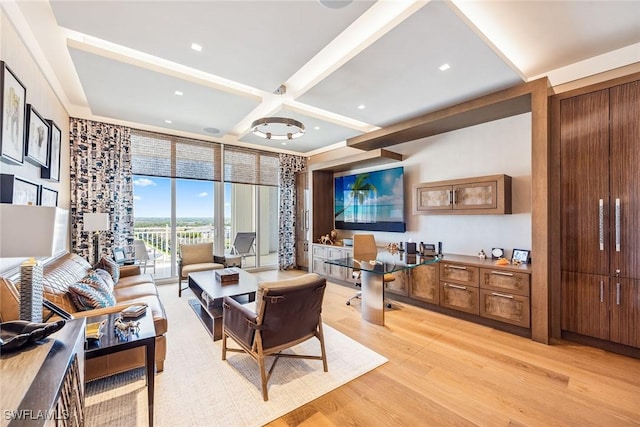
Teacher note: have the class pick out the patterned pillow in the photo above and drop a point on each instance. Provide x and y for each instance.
(112, 267)
(91, 292)
(106, 278)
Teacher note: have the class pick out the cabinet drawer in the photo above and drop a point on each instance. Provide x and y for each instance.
(320, 267)
(399, 286)
(505, 281)
(459, 297)
(336, 253)
(425, 284)
(505, 307)
(458, 273)
(320, 251)
(336, 271)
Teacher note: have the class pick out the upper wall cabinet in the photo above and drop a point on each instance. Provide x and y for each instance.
(468, 196)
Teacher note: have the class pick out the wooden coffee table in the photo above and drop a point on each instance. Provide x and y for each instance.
(209, 292)
(111, 343)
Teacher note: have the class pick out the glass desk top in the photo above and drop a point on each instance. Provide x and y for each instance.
(385, 262)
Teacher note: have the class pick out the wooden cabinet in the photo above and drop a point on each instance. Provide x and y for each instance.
(321, 253)
(600, 212)
(400, 286)
(481, 195)
(424, 283)
(504, 296)
(459, 287)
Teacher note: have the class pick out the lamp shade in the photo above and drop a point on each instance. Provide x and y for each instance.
(94, 221)
(27, 231)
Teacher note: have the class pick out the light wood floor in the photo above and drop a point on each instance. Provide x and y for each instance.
(444, 371)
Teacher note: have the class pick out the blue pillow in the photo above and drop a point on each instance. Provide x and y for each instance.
(91, 292)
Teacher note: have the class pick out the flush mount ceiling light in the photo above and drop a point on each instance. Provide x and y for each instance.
(277, 128)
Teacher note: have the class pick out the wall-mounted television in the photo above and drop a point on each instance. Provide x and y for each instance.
(372, 201)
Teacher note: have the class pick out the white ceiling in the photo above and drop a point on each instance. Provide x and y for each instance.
(122, 61)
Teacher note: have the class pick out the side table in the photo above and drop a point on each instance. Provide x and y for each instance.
(110, 343)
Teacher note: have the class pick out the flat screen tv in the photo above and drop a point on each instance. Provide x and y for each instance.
(372, 201)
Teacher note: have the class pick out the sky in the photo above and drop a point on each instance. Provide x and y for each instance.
(152, 197)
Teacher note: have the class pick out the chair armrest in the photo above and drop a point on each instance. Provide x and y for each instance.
(239, 321)
(129, 270)
(106, 310)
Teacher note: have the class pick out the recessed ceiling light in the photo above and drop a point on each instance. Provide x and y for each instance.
(179, 93)
(361, 107)
(196, 47)
(444, 67)
(316, 127)
(168, 121)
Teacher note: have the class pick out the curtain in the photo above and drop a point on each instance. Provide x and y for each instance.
(289, 165)
(101, 181)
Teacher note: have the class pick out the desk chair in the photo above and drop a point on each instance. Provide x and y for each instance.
(365, 249)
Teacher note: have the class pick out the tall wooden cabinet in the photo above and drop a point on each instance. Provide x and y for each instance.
(599, 138)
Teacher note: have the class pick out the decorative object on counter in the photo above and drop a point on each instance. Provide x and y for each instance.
(521, 256)
(497, 253)
(20, 333)
(411, 248)
(481, 254)
(439, 254)
(123, 328)
(392, 247)
(400, 248)
(428, 249)
(502, 261)
(325, 240)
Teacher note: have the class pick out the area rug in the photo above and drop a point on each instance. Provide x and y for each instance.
(197, 388)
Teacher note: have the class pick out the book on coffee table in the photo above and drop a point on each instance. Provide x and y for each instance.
(134, 311)
(228, 275)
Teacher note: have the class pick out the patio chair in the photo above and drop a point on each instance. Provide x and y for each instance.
(244, 244)
(141, 255)
(287, 313)
(196, 257)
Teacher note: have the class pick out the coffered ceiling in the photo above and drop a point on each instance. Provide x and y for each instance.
(349, 66)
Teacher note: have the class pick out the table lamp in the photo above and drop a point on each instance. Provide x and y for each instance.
(96, 222)
(28, 231)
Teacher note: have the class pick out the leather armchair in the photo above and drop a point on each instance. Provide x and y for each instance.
(196, 257)
(287, 313)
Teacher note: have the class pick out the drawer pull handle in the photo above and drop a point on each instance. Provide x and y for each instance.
(495, 294)
(449, 285)
(502, 273)
(601, 291)
(455, 267)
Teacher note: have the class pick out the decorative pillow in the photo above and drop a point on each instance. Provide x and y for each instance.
(91, 292)
(112, 267)
(106, 278)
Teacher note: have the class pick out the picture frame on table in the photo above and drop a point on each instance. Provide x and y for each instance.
(520, 255)
(52, 172)
(18, 191)
(119, 255)
(37, 144)
(12, 117)
(48, 197)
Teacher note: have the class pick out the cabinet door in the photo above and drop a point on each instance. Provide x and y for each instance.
(625, 176)
(399, 286)
(424, 284)
(585, 304)
(477, 195)
(459, 297)
(625, 311)
(435, 198)
(584, 176)
(320, 267)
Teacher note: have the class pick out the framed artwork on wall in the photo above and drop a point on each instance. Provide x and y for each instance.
(37, 144)
(18, 191)
(12, 119)
(48, 197)
(55, 138)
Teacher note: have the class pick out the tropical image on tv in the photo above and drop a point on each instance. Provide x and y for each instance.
(371, 201)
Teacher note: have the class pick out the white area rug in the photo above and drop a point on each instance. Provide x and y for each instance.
(197, 388)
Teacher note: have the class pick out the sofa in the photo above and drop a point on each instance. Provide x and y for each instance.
(132, 287)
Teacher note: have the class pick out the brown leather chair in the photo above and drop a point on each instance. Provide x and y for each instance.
(196, 257)
(287, 313)
(365, 249)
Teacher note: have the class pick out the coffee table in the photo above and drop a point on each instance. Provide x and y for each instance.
(209, 292)
(111, 343)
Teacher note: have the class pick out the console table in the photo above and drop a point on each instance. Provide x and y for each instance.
(44, 384)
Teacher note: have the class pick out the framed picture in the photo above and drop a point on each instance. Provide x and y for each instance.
(48, 197)
(118, 255)
(55, 137)
(520, 255)
(37, 145)
(12, 119)
(18, 191)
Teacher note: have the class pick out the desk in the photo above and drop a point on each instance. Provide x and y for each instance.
(372, 273)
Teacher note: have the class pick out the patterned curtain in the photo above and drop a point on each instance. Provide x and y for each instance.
(101, 181)
(289, 165)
